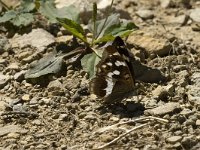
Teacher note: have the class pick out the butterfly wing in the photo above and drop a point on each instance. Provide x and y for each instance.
(113, 77)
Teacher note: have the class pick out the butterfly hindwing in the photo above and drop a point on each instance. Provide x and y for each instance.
(113, 76)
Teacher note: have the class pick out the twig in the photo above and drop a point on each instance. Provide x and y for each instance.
(132, 121)
(121, 136)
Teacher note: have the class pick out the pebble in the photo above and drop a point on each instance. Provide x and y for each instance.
(3, 80)
(23, 55)
(19, 76)
(10, 129)
(13, 66)
(26, 97)
(55, 85)
(165, 3)
(13, 135)
(195, 14)
(151, 45)
(198, 122)
(174, 139)
(167, 108)
(145, 14)
(31, 39)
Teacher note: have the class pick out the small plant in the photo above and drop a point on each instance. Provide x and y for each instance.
(19, 16)
(103, 30)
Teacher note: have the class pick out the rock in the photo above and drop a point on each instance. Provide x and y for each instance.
(55, 85)
(13, 66)
(198, 122)
(189, 141)
(165, 3)
(195, 14)
(2, 105)
(4, 44)
(194, 90)
(26, 97)
(19, 76)
(167, 108)
(13, 135)
(64, 39)
(186, 112)
(161, 92)
(179, 20)
(3, 80)
(63, 117)
(106, 137)
(11, 129)
(19, 107)
(31, 39)
(160, 47)
(145, 14)
(23, 55)
(174, 139)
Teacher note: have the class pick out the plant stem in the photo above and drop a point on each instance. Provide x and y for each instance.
(94, 22)
(107, 15)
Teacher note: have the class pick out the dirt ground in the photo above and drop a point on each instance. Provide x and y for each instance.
(164, 114)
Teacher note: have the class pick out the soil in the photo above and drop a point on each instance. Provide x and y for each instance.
(63, 115)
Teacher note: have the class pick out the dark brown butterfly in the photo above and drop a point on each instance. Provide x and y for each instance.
(114, 75)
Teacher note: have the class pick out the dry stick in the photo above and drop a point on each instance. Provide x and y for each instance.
(132, 121)
(27, 113)
(121, 136)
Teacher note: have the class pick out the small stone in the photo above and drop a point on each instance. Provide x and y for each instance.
(167, 108)
(63, 117)
(26, 97)
(2, 105)
(55, 85)
(115, 119)
(179, 20)
(145, 14)
(174, 139)
(19, 76)
(151, 45)
(165, 3)
(13, 66)
(31, 39)
(24, 55)
(198, 122)
(13, 135)
(106, 138)
(3, 80)
(195, 14)
(11, 128)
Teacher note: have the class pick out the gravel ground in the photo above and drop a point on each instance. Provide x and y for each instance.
(63, 115)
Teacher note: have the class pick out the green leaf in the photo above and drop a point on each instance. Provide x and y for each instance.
(122, 29)
(8, 16)
(50, 64)
(27, 5)
(48, 9)
(23, 19)
(74, 28)
(89, 63)
(102, 26)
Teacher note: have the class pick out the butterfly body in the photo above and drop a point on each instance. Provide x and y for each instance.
(114, 75)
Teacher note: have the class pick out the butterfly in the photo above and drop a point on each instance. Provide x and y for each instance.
(114, 73)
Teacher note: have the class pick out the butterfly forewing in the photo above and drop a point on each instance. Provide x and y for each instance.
(113, 76)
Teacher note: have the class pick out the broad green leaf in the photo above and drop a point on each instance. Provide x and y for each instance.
(23, 19)
(8, 16)
(74, 28)
(50, 64)
(48, 9)
(27, 5)
(102, 26)
(122, 29)
(89, 63)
